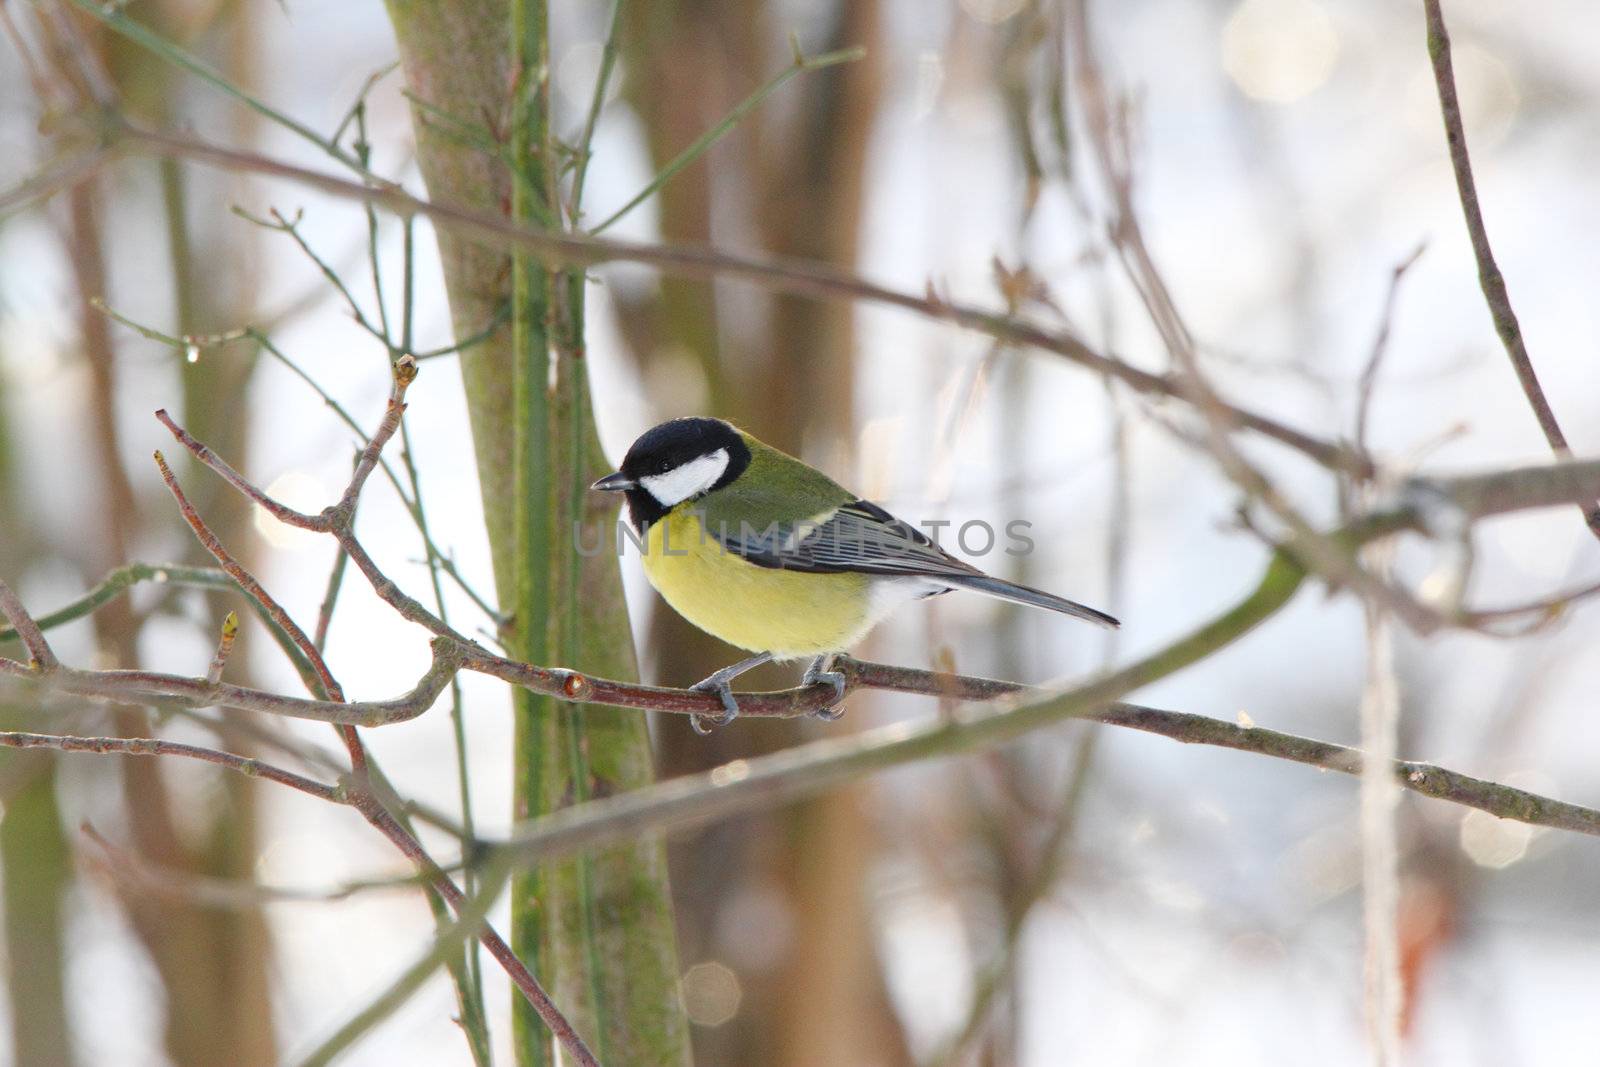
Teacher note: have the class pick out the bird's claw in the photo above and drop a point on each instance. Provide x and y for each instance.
(704, 724)
(720, 683)
(820, 671)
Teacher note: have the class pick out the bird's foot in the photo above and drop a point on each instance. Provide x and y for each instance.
(704, 724)
(721, 683)
(821, 670)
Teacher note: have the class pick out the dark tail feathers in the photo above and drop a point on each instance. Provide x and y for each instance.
(1021, 594)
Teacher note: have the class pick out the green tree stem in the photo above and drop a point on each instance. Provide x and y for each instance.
(598, 929)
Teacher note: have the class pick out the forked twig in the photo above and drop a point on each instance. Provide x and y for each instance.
(337, 520)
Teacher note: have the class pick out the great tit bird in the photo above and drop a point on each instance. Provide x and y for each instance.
(770, 554)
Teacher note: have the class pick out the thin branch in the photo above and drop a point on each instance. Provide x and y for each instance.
(330, 597)
(144, 37)
(585, 146)
(800, 65)
(151, 746)
(1546, 609)
(216, 892)
(363, 794)
(821, 765)
(1380, 346)
(283, 513)
(764, 781)
(192, 343)
(57, 178)
(405, 372)
(1422, 505)
(337, 519)
(1490, 279)
(798, 277)
(361, 97)
(119, 581)
(153, 687)
(43, 659)
(500, 317)
(280, 224)
(447, 944)
(329, 689)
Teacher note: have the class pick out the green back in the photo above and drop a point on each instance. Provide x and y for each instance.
(776, 487)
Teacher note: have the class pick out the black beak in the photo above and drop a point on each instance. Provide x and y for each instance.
(614, 483)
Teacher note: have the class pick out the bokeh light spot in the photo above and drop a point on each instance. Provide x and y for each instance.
(711, 993)
(299, 491)
(1490, 841)
(1278, 51)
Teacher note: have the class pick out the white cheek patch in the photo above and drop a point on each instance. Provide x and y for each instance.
(689, 480)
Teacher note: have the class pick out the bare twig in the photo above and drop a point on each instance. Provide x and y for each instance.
(816, 767)
(280, 224)
(1110, 140)
(115, 19)
(1422, 505)
(119, 581)
(821, 765)
(446, 945)
(800, 64)
(282, 512)
(1490, 279)
(233, 893)
(330, 597)
(1380, 346)
(337, 520)
(784, 275)
(246, 581)
(60, 176)
(151, 746)
(1545, 609)
(746, 785)
(32, 637)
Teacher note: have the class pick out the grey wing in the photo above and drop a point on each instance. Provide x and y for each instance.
(858, 537)
(862, 538)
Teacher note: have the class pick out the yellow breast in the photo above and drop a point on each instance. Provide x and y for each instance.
(787, 613)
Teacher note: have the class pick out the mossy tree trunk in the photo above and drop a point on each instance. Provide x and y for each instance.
(597, 929)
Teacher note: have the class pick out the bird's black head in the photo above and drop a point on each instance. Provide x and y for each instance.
(680, 460)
